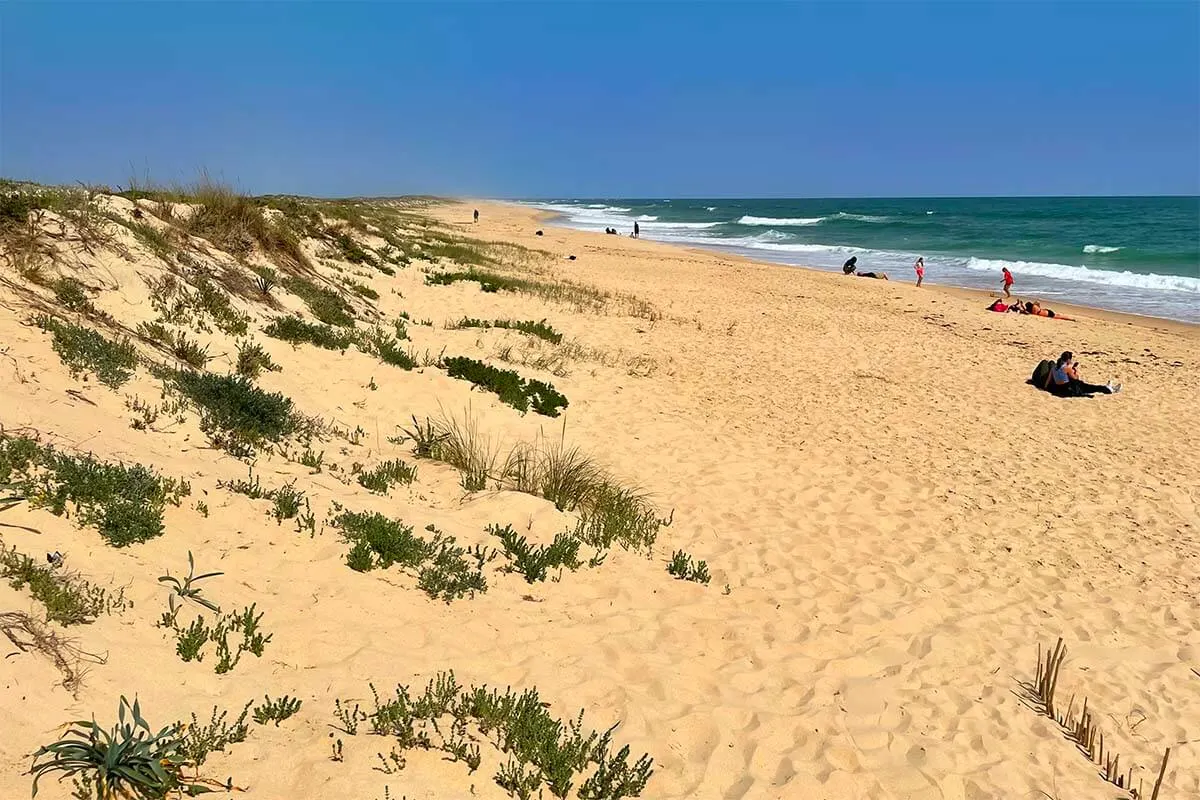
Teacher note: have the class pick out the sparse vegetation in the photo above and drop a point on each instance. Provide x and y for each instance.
(386, 348)
(84, 350)
(459, 444)
(541, 750)
(325, 304)
(295, 330)
(511, 388)
(539, 329)
(287, 500)
(579, 296)
(609, 512)
(178, 305)
(682, 567)
(387, 474)
(177, 343)
(237, 224)
(68, 598)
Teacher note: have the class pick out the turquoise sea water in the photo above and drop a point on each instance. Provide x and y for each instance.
(1135, 254)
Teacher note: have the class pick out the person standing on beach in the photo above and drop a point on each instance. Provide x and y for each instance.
(1008, 282)
(637, 232)
(477, 215)
(920, 267)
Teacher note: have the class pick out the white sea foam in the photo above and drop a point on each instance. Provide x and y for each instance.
(860, 217)
(645, 218)
(650, 223)
(1099, 248)
(749, 220)
(1066, 272)
(710, 208)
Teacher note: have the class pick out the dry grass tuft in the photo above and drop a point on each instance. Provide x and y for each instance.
(1084, 729)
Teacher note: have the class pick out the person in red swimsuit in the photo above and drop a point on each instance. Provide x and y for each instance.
(1008, 282)
(920, 267)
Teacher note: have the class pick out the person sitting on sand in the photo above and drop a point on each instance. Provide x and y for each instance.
(1065, 381)
(1036, 310)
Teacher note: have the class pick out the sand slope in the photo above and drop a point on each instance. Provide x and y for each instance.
(897, 517)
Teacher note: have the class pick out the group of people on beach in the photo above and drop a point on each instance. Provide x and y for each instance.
(1061, 377)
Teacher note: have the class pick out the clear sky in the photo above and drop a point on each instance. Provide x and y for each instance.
(608, 100)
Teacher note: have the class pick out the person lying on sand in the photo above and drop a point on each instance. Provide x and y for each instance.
(851, 266)
(1037, 310)
(1000, 306)
(1065, 381)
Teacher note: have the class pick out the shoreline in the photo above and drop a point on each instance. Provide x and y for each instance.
(984, 296)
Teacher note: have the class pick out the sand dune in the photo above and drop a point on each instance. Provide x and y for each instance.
(893, 521)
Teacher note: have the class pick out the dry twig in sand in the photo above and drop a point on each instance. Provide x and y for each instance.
(31, 634)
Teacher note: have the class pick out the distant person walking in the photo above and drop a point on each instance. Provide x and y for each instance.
(920, 267)
(1008, 282)
(477, 215)
(637, 232)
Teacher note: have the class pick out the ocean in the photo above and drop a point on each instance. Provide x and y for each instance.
(1135, 254)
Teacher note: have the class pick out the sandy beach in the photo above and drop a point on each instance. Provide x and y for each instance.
(893, 521)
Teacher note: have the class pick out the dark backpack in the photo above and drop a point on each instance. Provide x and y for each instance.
(1041, 375)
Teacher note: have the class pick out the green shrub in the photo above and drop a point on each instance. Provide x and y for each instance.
(234, 412)
(82, 349)
(442, 567)
(125, 504)
(508, 385)
(448, 575)
(295, 330)
(384, 476)
(325, 304)
(352, 251)
(381, 542)
(276, 710)
(200, 741)
(69, 600)
(72, 295)
(252, 360)
(535, 561)
(387, 349)
(681, 567)
(190, 641)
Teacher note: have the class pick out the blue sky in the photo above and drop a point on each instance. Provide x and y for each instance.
(615, 99)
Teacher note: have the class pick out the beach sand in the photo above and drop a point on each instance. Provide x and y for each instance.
(893, 520)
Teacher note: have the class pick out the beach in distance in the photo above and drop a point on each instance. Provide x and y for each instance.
(1139, 255)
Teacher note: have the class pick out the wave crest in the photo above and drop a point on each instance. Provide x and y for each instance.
(1099, 248)
(1136, 280)
(750, 220)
